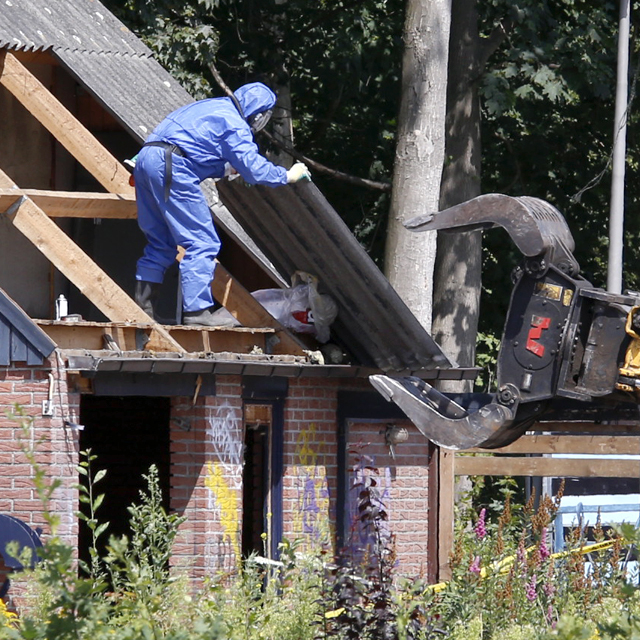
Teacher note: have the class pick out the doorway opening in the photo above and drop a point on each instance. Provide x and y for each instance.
(128, 435)
(256, 479)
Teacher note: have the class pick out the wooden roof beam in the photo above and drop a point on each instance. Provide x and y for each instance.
(74, 204)
(239, 302)
(63, 125)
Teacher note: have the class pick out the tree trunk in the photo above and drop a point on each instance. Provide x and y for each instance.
(457, 279)
(419, 152)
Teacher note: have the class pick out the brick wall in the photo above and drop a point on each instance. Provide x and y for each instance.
(56, 444)
(310, 461)
(207, 440)
(206, 465)
(403, 485)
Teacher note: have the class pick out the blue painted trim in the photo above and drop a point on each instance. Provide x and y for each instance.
(25, 341)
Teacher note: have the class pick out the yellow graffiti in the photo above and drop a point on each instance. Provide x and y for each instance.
(311, 517)
(227, 499)
(306, 454)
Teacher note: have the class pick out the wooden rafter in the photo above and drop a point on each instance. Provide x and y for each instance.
(63, 125)
(239, 302)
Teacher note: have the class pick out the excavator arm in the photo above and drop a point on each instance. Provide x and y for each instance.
(562, 337)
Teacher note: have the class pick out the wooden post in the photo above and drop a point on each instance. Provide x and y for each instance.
(446, 499)
(63, 125)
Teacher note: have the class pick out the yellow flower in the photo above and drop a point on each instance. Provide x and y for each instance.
(7, 618)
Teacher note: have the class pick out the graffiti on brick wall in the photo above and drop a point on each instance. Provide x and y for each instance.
(311, 517)
(224, 433)
(226, 498)
(224, 474)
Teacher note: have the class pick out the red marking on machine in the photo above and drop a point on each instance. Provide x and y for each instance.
(538, 325)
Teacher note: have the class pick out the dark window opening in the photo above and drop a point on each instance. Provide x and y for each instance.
(128, 435)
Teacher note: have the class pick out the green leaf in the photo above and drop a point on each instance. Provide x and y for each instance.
(98, 501)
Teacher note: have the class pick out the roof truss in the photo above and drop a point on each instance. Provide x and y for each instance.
(30, 212)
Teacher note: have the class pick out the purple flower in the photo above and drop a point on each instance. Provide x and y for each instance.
(530, 589)
(480, 528)
(549, 589)
(474, 567)
(550, 617)
(544, 549)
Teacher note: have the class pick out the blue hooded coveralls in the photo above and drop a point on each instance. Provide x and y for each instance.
(209, 133)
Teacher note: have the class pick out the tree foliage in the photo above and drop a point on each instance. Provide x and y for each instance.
(547, 103)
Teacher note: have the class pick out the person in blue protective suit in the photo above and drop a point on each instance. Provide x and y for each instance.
(200, 140)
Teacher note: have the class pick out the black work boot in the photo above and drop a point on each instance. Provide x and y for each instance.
(202, 318)
(146, 296)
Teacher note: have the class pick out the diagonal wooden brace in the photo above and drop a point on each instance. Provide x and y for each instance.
(63, 125)
(76, 265)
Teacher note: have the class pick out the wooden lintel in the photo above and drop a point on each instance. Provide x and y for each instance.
(466, 465)
(73, 204)
(76, 265)
(249, 312)
(63, 125)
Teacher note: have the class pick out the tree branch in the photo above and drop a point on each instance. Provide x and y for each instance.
(312, 164)
(495, 39)
(321, 168)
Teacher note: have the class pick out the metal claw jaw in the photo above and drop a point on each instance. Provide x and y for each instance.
(536, 227)
(438, 418)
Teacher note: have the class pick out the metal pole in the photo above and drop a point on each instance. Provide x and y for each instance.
(616, 219)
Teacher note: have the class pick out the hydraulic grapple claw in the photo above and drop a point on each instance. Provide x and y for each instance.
(437, 417)
(562, 337)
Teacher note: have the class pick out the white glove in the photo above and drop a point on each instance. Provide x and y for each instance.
(299, 171)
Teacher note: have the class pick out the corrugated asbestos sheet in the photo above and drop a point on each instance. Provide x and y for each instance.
(106, 58)
(297, 229)
(21, 340)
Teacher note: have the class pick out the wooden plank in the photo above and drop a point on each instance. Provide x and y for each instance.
(446, 500)
(587, 428)
(72, 204)
(249, 312)
(610, 445)
(7, 183)
(90, 279)
(63, 125)
(89, 335)
(18, 347)
(547, 467)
